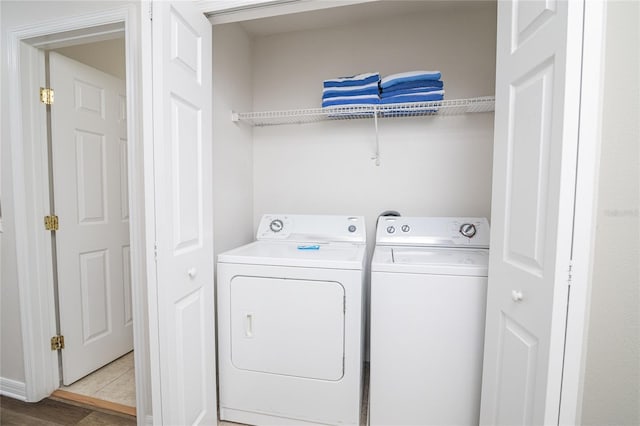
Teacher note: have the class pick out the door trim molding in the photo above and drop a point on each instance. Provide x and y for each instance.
(585, 211)
(31, 196)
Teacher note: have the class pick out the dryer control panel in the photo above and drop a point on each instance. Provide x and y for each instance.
(312, 228)
(433, 231)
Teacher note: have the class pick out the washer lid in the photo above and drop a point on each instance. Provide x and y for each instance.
(439, 261)
(287, 253)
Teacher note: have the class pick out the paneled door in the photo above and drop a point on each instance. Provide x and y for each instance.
(536, 133)
(89, 154)
(182, 162)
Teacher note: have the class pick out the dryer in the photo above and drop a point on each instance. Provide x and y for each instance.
(428, 297)
(290, 322)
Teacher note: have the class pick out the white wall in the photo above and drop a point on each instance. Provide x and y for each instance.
(11, 351)
(612, 376)
(107, 56)
(429, 166)
(232, 148)
(15, 14)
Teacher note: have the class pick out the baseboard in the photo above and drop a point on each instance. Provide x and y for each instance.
(13, 389)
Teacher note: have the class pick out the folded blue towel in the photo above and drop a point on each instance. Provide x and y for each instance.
(356, 80)
(351, 100)
(409, 76)
(367, 89)
(388, 94)
(417, 84)
(414, 97)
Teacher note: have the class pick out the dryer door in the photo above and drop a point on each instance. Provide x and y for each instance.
(288, 326)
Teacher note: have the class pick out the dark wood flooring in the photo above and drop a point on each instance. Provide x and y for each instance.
(50, 412)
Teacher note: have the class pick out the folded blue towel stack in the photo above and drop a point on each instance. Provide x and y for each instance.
(412, 86)
(361, 89)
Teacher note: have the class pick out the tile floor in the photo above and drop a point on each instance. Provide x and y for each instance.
(115, 382)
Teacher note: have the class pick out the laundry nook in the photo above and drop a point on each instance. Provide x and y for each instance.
(319, 212)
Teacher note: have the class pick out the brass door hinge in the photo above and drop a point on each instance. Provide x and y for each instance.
(51, 223)
(46, 95)
(57, 343)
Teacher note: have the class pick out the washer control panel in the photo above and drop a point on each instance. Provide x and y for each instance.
(433, 231)
(312, 228)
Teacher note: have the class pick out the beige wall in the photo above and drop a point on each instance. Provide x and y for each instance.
(107, 56)
(232, 148)
(612, 378)
(428, 167)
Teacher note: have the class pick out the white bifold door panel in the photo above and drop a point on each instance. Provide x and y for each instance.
(89, 153)
(182, 162)
(288, 326)
(536, 119)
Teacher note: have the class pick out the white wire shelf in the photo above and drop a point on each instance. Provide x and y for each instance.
(413, 109)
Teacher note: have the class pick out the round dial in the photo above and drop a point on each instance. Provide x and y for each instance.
(468, 230)
(405, 228)
(276, 225)
(391, 229)
(352, 228)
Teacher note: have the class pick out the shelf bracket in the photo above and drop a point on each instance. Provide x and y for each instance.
(376, 157)
(234, 116)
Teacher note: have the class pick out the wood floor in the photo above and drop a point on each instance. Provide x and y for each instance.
(50, 412)
(55, 412)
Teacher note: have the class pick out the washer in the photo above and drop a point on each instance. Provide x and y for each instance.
(290, 326)
(428, 296)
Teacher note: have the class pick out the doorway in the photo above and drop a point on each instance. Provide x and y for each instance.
(91, 250)
(26, 47)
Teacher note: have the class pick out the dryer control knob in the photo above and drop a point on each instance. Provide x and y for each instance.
(468, 230)
(391, 229)
(276, 225)
(352, 228)
(405, 228)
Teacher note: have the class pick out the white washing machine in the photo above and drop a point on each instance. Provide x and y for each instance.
(290, 322)
(428, 296)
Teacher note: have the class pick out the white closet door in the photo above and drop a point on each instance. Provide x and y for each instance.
(89, 149)
(536, 122)
(182, 148)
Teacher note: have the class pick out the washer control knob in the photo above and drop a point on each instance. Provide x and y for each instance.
(391, 229)
(405, 228)
(352, 228)
(468, 230)
(276, 225)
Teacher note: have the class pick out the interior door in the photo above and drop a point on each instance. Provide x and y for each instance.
(536, 122)
(182, 149)
(89, 153)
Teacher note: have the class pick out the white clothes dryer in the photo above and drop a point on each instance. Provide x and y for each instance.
(290, 322)
(428, 297)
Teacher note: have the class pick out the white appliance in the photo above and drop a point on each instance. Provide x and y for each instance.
(290, 322)
(428, 296)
